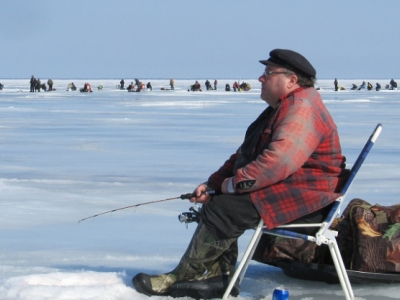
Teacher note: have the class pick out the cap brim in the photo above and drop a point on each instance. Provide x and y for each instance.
(268, 62)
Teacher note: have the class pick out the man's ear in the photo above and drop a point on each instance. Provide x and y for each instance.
(292, 81)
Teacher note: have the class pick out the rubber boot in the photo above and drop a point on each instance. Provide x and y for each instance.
(223, 265)
(198, 262)
(214, 282)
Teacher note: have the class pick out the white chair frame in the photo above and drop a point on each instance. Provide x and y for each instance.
(323, 236)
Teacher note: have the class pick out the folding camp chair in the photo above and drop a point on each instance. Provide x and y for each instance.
(323, 236)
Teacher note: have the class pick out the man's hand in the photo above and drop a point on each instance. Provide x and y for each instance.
(201, 195)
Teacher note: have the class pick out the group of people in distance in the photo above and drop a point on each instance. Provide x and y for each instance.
(136, 86)
(196, 87)
(208, 85)
(391, 86)
(237, 86)
(36, 85)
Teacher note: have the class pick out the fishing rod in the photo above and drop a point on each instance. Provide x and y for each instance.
(183, 197)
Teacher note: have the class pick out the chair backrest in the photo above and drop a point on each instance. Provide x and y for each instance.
(336, 209)
(362, 156)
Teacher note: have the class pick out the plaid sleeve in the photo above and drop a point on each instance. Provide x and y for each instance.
(216, 179)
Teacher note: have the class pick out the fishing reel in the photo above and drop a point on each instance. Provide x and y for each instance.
(190, 217)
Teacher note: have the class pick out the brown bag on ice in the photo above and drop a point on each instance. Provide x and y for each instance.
(369, 241)
(369, 237)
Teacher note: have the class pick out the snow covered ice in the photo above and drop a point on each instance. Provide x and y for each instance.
(66, 155)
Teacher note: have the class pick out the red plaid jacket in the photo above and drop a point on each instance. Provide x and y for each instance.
(291, 160)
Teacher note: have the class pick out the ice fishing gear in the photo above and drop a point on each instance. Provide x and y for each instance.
(190, 217)
(183, 197)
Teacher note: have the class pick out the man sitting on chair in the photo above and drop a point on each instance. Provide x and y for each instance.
(289, 167)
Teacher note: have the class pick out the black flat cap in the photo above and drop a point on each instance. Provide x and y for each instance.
(292, 61)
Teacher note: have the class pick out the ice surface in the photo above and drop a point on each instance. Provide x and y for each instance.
(66, 155)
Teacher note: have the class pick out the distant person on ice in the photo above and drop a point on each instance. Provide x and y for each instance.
(38, 84)
(140, 86)
(196, 87)
(86, 88)
(32, 84)
(131, 86)
(50, 84)
(289, 167)
(235, 86)
(393, 85)
(336, 85)
(208, 85)
(71, 87)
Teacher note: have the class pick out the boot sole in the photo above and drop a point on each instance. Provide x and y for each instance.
(210, 288)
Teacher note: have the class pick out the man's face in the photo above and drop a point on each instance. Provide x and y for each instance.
(274, 84)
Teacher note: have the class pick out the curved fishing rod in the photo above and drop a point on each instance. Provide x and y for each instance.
(183, 196)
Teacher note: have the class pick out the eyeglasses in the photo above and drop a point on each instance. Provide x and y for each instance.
(270, 73)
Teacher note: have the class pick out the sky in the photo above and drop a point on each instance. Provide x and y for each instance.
(202, 39)
(66, 155)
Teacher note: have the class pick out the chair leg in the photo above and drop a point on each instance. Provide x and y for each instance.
(244, 263)
(252, 248)
(341, 270)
